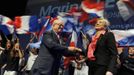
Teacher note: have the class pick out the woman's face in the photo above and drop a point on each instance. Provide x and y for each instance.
(8, 45)
(100, 24)
(131, 50)
(17, 46)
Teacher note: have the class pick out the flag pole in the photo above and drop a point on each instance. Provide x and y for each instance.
(5, 37)
(30, 41)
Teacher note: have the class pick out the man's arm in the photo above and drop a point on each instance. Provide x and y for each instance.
(50, 43)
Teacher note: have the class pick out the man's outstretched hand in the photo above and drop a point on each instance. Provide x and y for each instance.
(74, 49)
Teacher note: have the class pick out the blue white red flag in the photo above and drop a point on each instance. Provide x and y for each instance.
(6, 25)
(124, 37)
(93, 8)
(46, 26)
(25, 24)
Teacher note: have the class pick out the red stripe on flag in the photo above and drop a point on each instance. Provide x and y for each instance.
(72, 44)
(10, 22)
(94, 5)
(83, 17)
(17, 22)
(130, 3)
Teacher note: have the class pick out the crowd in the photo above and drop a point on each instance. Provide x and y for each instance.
(101, 58)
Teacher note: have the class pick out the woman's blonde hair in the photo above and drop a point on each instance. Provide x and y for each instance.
(107, 23)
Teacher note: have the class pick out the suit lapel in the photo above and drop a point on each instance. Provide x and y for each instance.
(55, 37)
(100, 40)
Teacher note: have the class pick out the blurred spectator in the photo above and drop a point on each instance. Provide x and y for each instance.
(127, 61)
(33, 53)
(12, 64)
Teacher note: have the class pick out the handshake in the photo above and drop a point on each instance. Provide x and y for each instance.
(77, 58)
(74, 49)
(80, 56)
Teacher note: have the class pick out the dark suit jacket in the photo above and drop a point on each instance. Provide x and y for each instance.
(50, 53)
(106, 51)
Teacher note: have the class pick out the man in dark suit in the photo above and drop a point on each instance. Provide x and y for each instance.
(51, 51)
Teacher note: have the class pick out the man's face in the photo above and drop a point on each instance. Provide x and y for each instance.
(58, 27)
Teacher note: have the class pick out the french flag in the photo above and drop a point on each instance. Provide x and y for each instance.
(71, 22)
(89, 30)
(130, 3)
(73, 43)
(82, 42)
(93, 7)
(68, 27)
(25, 24)
(126, 8)
(6, 25)
(45, 26)
(45, 23)
(124, 37)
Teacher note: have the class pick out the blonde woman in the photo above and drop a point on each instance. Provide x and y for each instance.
(102, 51)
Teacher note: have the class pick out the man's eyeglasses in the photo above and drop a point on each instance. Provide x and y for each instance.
(60, 25)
